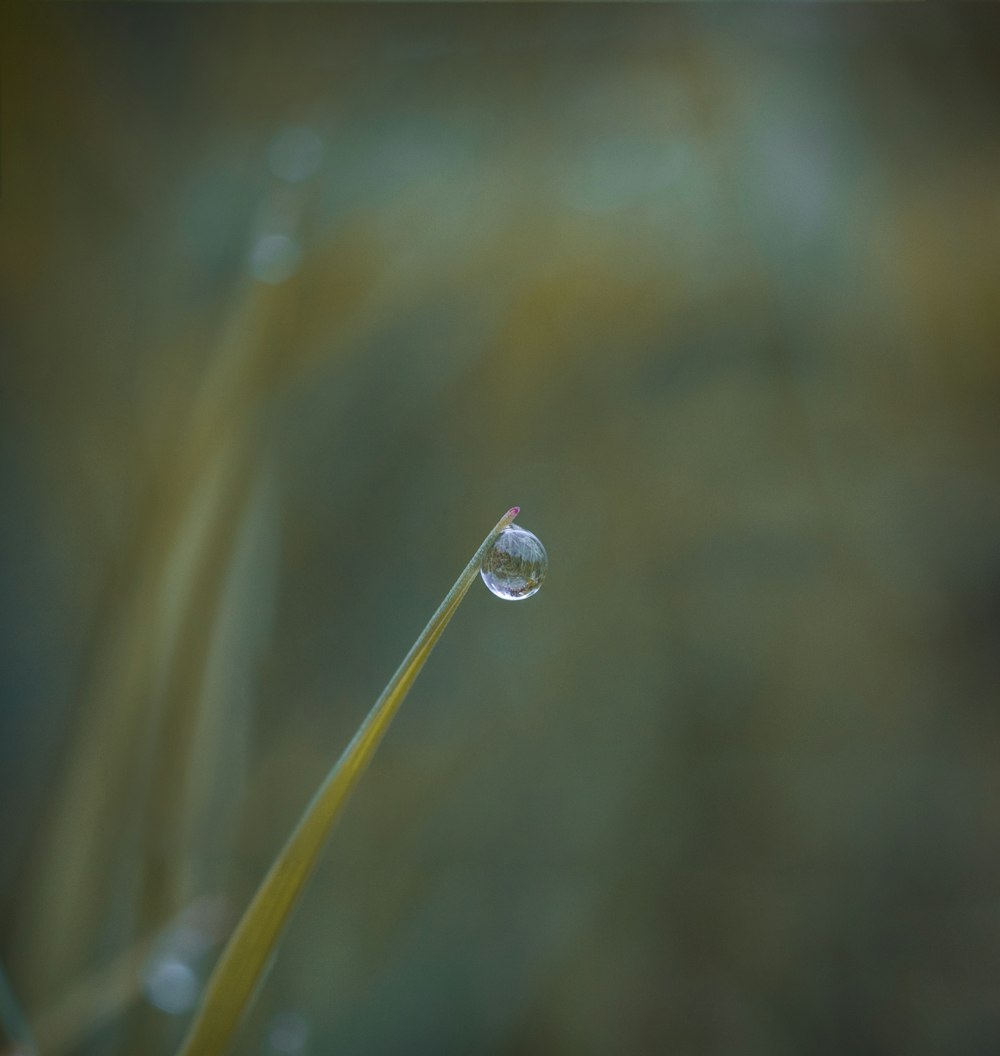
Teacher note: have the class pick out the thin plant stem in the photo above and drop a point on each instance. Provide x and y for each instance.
(234, 981)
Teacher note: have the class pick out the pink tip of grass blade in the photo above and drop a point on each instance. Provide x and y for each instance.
(513, 511)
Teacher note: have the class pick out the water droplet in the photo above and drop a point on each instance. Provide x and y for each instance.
(171, 985)
(515, 565)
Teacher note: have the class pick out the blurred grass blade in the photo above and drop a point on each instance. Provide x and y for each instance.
(236, 976)
(13, 1022)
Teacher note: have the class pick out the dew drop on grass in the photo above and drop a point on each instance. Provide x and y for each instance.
(515, 565)
(171, 986)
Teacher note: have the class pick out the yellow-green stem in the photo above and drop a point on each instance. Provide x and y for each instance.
(234, 981)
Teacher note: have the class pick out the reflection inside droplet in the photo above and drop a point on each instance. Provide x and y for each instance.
(171, 986)
(515, 565)
(274, 258)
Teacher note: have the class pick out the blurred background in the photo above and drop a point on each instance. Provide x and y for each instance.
(296, 302)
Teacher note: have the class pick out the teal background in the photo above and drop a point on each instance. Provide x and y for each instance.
(297, 300)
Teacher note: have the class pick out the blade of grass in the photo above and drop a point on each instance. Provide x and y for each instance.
(251, 946)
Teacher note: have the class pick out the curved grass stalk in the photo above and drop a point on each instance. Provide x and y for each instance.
(235, 979)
